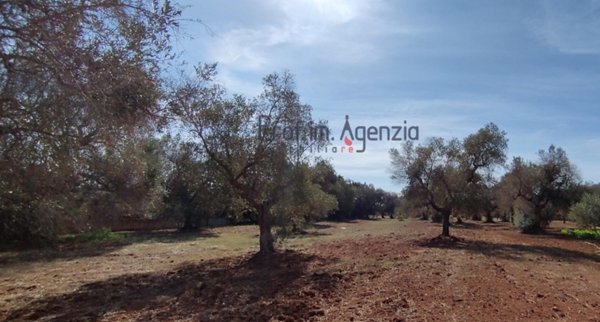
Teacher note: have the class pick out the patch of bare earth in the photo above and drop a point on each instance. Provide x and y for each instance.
(489, 272)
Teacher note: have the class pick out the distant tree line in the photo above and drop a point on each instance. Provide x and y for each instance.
(459, 178)
(196, 197)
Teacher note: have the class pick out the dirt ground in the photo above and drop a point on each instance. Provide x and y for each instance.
(382, 270)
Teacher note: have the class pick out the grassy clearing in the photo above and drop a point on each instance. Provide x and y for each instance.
(102, 255)
(170, 245)
(582, 233)
(236, 238)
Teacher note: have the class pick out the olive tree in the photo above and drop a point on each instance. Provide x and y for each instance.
(76, 77)
(538, 191)
(248, 139)
(442, 174)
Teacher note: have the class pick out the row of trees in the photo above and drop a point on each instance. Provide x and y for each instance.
(85, 101)
(224, 171)
(457, 178)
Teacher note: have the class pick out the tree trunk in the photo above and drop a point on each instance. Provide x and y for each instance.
(266, 237)
(446, 223)
(187, 222)
(488, 217)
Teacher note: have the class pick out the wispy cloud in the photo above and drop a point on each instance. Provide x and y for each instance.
(570, 26)
(340, 31)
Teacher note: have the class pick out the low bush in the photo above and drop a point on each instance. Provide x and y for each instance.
(587, 211)
(582, 233)
(529, 223)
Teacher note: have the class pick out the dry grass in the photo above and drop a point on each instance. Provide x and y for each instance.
(365, 270)
(26, 276)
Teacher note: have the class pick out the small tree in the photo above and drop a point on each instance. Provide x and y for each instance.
(195, 191)
(302, 202)
(538, 191)
(587, 212)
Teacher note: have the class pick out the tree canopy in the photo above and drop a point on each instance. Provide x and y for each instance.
(78, 81)
(441, 174)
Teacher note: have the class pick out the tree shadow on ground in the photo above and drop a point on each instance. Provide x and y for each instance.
(168, 236)
(321, 226)
(467, 225)
(310, 233)
(347, 221)
(289, 285)
(477, 225)
(74, 250)
(508, 251)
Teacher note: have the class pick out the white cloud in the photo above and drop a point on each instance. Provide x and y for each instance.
(331, 30)
(322, 11)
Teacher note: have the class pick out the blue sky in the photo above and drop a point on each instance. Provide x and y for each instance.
(449, 67)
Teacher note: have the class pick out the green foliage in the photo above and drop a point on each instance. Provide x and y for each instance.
(446, 176)
(124, 181)
(354, 200)
(78, 80)
(400, 215)
(101, 235)
(303, 202)
(25, 220)
(194, 192)
(582, 233)
(587, 212)
(541, 190)
(243, 138)
(345, 194)
(529, 223)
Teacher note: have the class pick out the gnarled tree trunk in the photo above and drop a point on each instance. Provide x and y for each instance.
(446, 223)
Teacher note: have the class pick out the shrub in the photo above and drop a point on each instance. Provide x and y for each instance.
(587, 212)
(582, 233)
(25, 220)
(529, 223)
(400, 215)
